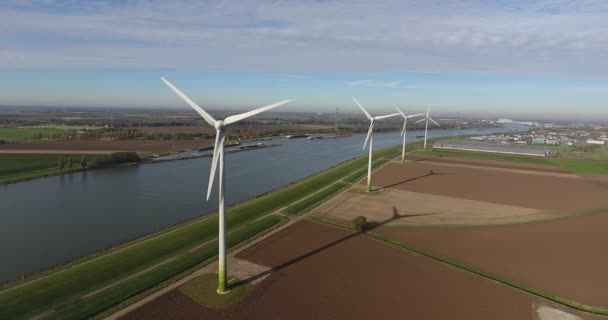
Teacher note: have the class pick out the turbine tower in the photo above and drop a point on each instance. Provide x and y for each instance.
(370, 137)
(426, 127)
(218, 156)
(404, 130)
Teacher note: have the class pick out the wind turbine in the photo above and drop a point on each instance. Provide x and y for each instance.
(370, 137)
(426, 128)
(404, 130)
(218, 156)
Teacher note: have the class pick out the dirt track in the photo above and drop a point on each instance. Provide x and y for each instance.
(326, 273)
(140, 146)
(545, 192)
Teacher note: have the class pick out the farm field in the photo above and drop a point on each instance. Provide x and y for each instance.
(562, 257)
(597, 165)
(548, 191)
(345, 275)
(18, 134)
(139, 146)
(177, 129)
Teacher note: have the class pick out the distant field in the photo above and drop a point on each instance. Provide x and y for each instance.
(18, 134)
(574, 165)
(65, 128)
(15, 167)
(177, 129)
(140, 146)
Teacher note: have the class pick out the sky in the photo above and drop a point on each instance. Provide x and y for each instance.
(511, 58)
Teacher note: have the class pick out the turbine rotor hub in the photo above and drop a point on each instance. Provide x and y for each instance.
(219, 125)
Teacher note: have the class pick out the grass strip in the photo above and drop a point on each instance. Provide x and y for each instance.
(16, 166)
(122, 292)
(314, 200)
(203, 290)
(493, 277)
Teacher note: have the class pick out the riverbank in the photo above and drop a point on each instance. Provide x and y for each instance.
(68, 289)
(18, 167)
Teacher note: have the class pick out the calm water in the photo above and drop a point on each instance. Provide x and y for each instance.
(53, 220)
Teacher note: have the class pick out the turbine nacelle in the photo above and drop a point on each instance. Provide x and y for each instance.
(219, 125)
(372, 121)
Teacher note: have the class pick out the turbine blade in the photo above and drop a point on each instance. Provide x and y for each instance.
(219, 143)
(239, 117)
(191, 103)
(416, 115)
(386, 116)
(369, 134)
(404, 126)
(420, 120)
(369, 117)
(398, 110)
(434, 122)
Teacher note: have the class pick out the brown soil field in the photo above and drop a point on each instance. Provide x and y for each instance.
(549, 192)
(566, 257)
(140, 146)
(325, 273)
(487, 163)
(177, 129)
(416, 208)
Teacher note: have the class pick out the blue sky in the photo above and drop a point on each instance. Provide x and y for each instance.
(503, 58)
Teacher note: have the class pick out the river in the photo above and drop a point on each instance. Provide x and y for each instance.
(50, 221)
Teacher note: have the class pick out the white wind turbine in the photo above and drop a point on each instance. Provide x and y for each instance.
(218, 156)
(370, 137)
(426, 128)
(404, 130)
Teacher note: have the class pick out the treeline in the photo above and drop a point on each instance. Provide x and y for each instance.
(68, 163)
(116, 134)
(115, 158)
(137, 134)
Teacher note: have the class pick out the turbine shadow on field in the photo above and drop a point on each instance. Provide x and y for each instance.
(422, 159)
(431, 173)
(397, 215)
(371, 226)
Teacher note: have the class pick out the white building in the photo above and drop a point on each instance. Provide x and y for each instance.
(591, 141)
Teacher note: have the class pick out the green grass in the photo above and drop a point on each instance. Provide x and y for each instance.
(203, 290)
(116, 295)
(15, 167)
(583, 151)
(59, 289)
(18, 134)
(314, 200)
(582, 166)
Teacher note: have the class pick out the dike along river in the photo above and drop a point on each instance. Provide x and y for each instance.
(50, 221)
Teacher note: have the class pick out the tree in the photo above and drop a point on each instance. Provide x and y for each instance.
(60, 164)
(360, 224)
(69, 163)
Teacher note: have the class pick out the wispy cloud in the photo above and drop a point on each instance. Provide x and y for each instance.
(541, 37)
